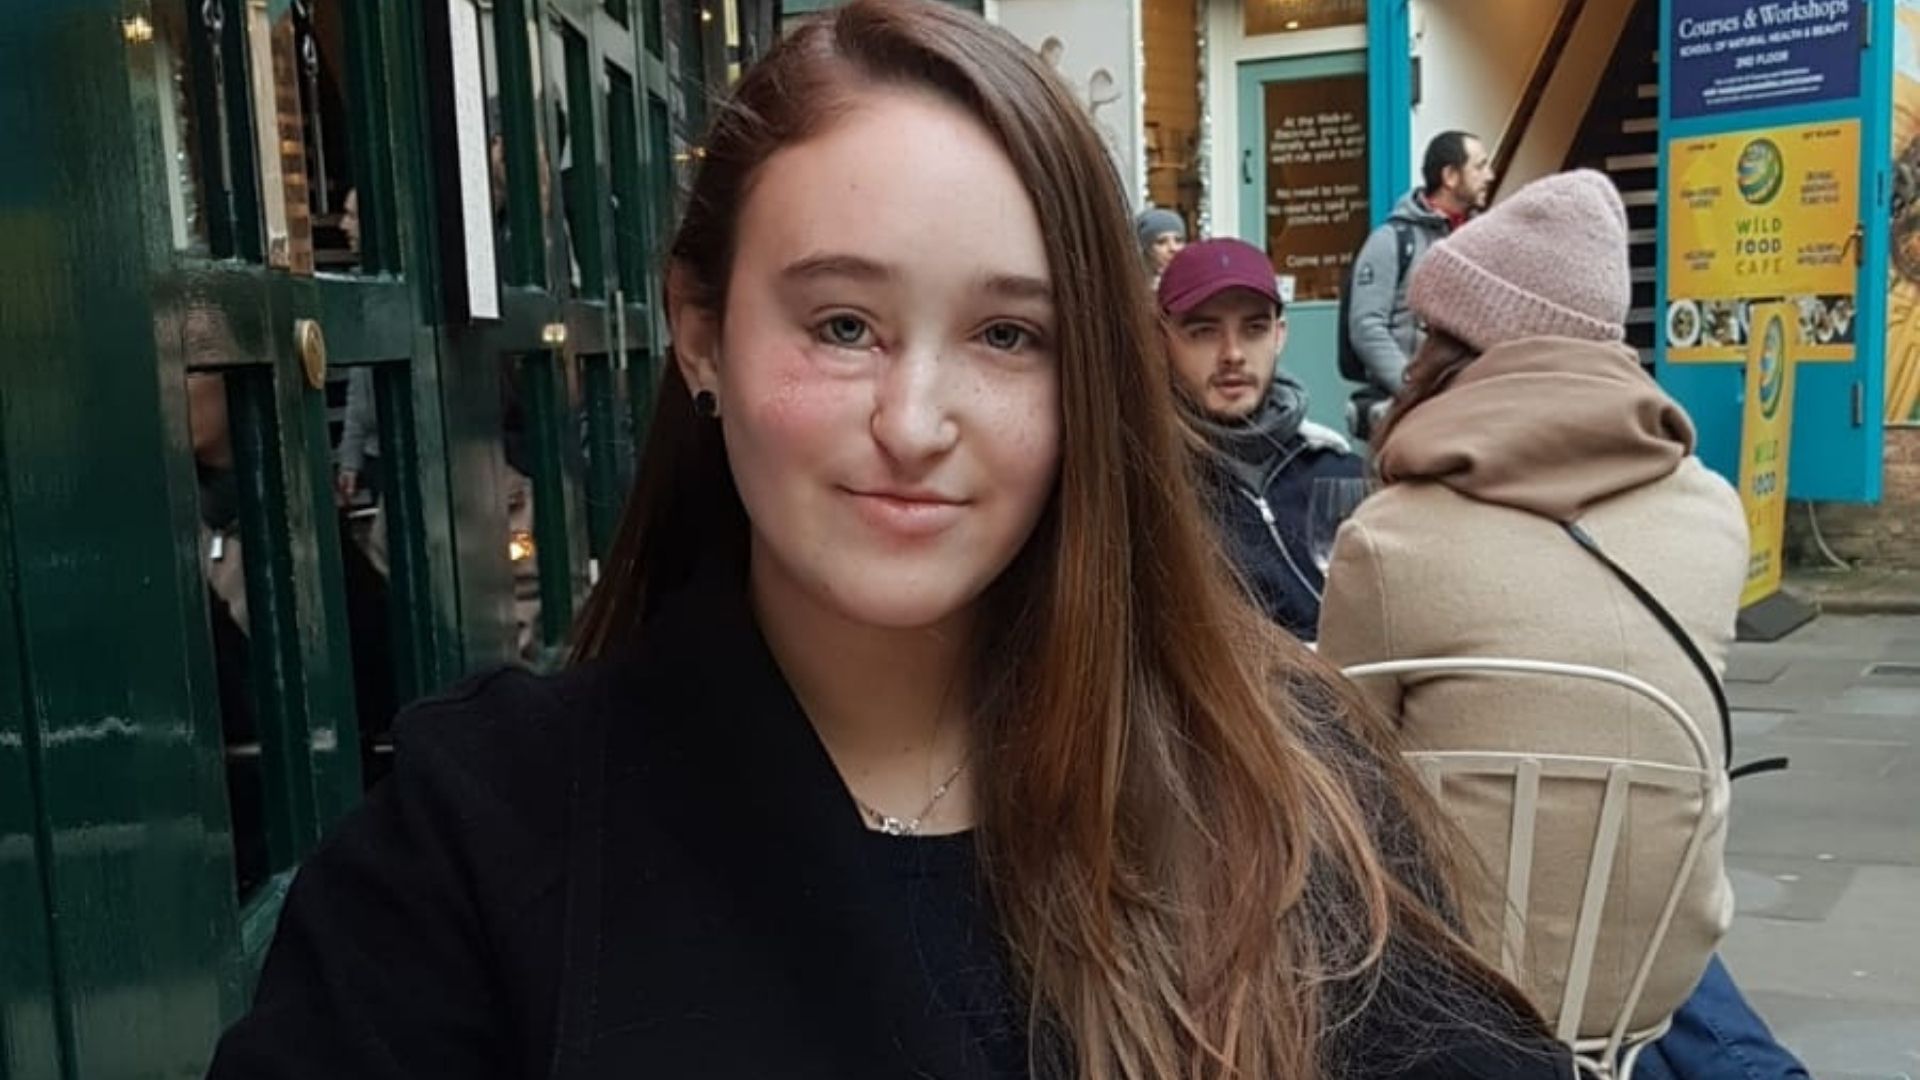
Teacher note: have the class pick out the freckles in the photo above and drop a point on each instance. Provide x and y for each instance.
(790, 394)
(1023, 419)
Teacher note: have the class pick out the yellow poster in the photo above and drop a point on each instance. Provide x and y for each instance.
(1756, 216)
(1903, 290)
(1766, 433)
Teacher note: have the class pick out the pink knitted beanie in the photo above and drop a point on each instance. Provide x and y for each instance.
(1549, 261)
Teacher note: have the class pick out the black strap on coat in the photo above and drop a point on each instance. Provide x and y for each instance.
(1685, 641)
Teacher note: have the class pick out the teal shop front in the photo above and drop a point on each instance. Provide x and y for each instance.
(1320, 156)
(1811, 100)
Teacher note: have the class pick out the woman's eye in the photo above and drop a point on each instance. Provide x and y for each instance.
(846, 331)
(1007, 337)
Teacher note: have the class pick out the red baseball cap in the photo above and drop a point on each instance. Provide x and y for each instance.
(1206, 269)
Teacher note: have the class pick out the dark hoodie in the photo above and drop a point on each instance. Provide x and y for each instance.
(1261, 483)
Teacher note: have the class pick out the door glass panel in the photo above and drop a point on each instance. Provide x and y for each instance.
(605, 453)
(731, 8)
(496, 137)
(223, 571)
(623, 144)
(668, 173)
(571, 88)
(550, 433)
(547, 52)
(182, 45)
(517, 444)
(303, 62)
(324, 84)
(650, 25)
(687, 29)
(273, 63)
(363, 477)
(514, 86)
(1280, 16)
(552, 239)
(288, 66)
(1316, 180)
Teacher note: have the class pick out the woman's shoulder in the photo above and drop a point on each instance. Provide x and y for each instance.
(504, 745)
(1691, 511)
(1406, 502)
(1414, 522)
(422, 936)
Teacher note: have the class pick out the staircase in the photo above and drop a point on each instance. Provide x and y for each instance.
(1621, 137)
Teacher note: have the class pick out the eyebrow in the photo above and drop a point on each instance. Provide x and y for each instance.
(1019, 287)
(814, 267)
(858, 268)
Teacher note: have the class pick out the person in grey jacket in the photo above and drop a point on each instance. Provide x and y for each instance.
(1384, 333)
(359, 437)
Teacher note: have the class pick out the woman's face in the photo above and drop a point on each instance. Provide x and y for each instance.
(885, 368)
(1165, 247)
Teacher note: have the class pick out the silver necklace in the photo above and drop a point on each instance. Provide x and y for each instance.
(893, 826)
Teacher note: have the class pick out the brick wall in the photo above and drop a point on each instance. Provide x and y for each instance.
(1886, 536)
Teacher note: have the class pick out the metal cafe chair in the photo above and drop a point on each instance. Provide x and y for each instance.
(1611, 1046)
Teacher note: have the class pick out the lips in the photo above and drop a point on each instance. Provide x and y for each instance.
(908, 515)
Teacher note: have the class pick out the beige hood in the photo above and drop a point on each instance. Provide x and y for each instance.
(1550, 425)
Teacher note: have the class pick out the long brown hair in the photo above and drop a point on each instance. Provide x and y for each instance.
(1434, 365)
(1181, 831)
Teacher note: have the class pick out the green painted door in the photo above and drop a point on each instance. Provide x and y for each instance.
(186, 705)
(1304, 199)
(272, 459)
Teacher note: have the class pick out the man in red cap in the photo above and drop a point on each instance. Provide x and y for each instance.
(1224, 325)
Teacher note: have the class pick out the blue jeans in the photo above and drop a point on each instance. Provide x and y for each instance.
(1716, 1035)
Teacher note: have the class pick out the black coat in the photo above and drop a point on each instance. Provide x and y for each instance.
(1276, 562)
(649, 868)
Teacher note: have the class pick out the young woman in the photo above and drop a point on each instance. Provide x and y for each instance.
(1522, 413)
(917, 730)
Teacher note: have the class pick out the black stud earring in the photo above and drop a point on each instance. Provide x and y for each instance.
(706, 405)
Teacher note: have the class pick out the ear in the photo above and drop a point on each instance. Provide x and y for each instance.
(695, 330)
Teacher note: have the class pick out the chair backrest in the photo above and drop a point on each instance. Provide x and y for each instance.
(1617, 777)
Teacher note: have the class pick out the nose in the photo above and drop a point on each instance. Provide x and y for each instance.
(913, 420)
(1233, 350)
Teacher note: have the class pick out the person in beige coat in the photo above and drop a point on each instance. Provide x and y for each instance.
(1522, 412)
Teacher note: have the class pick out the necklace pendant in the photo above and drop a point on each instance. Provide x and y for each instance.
(893, 826)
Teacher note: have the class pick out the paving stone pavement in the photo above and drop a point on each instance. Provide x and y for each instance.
(1825, 857)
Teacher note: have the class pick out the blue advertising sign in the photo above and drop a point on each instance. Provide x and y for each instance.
(1748, 54)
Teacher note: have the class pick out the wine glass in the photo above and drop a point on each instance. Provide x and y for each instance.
(1333, 501)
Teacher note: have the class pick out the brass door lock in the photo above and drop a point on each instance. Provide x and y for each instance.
(311, 346)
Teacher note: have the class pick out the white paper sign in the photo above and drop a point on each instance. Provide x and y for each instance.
(475, 167)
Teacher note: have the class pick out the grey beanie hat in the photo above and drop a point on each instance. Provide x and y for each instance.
(1154, 223)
